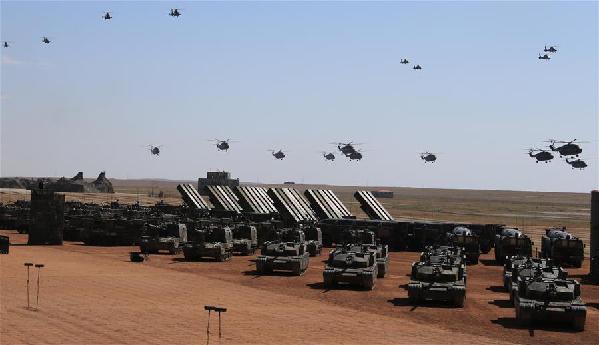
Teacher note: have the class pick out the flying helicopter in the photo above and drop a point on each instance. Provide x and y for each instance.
(154, 150)
(223, 145)
(404, 61)
(428, 157)
(6, 44)
(329, 156)
(541, 155)
(107, 15)
(417, 67)
(544, 57)
(45, 40)
(278, 154)
(577, 164)
(569, 149)
(175, 12)
(346, 148)
(551, 49)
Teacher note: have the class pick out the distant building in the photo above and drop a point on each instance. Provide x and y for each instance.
(288, 182)
(216, 178)
(382, 193)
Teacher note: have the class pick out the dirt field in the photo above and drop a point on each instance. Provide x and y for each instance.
(94, 295)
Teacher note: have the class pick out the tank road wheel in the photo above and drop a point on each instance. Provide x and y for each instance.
(297, 269)
(413, 296)
(329, 281)
(458, 301)
(172, 250)
(578, 323)
(382, 271)
(220, 257)
(523, 317)
(512, 297)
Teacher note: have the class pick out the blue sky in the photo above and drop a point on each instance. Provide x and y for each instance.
(298, 76)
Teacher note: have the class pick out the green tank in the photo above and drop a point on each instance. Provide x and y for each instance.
(352, 266)
(165, 237)
(313, 240)
(532, 268)
(287, 254)
(509, 264)
(214, 242)
(549, 299)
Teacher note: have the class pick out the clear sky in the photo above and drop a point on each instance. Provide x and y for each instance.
(297, 76)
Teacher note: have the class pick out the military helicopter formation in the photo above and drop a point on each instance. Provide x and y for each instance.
(349, 150)
(569, 148)
(548, 51)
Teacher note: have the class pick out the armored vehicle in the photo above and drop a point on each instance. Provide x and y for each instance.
(425, 234)
(166, 237)
(4, 244)
(110, 229)
(287, 254)
(509, 264)
(346, 266)
(510, 242)
(443, 280)
(440, 254)
(548, 299)
(562, 247)
(245, 239)
(533, 268)
(313, 240)
(463, 237)
(381, 253)
(211, 242)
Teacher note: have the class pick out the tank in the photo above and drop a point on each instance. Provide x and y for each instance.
(463, 237)
(351, 266)
(166, 237)
(509, 264)
(381, 253)
(562, 247)
(510, 242)
(438, 280)
(313, 240)
(547, 299)
(287, 254)
(245, 239)
(532, 268)
(215, 242)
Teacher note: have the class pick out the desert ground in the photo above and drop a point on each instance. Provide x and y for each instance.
(95, 295)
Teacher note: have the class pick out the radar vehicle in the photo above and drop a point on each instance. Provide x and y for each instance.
(511, 242)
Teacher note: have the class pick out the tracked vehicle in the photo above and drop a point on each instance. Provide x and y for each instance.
(533, 268)
(245, 239)
(509, 264)
(547, 299)
(166, 237)
(313, 240)
(510, 242)
(214, 242)
(463, 237)
(439, 280)
(287, 254)
(562, 247)
(352, 266)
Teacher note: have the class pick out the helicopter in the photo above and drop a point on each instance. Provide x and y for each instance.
(544, 57)
(107, 16)
(577, 164)
(328, 156)
(551, 49)
(154, 150)
(428, 157)
(278, 154)
(175, 12)
(346, 148)
(223, 145)
(569, 149)
(355, 156)
(5, 44)
(417, 67)
(541, 155)
(404, 61)
(45, 40)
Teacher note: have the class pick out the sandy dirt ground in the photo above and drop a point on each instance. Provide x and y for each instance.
(94, 295)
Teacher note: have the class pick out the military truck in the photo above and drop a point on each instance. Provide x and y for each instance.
(443, 280)
(245, 239)
(313, 240)
(510, 242)
(4, 244)
(164, 237)
(352, 266)
(562, 247)
(287, 254)
(549, 299)
(463, 237)
(532, 268)
(214, 242)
